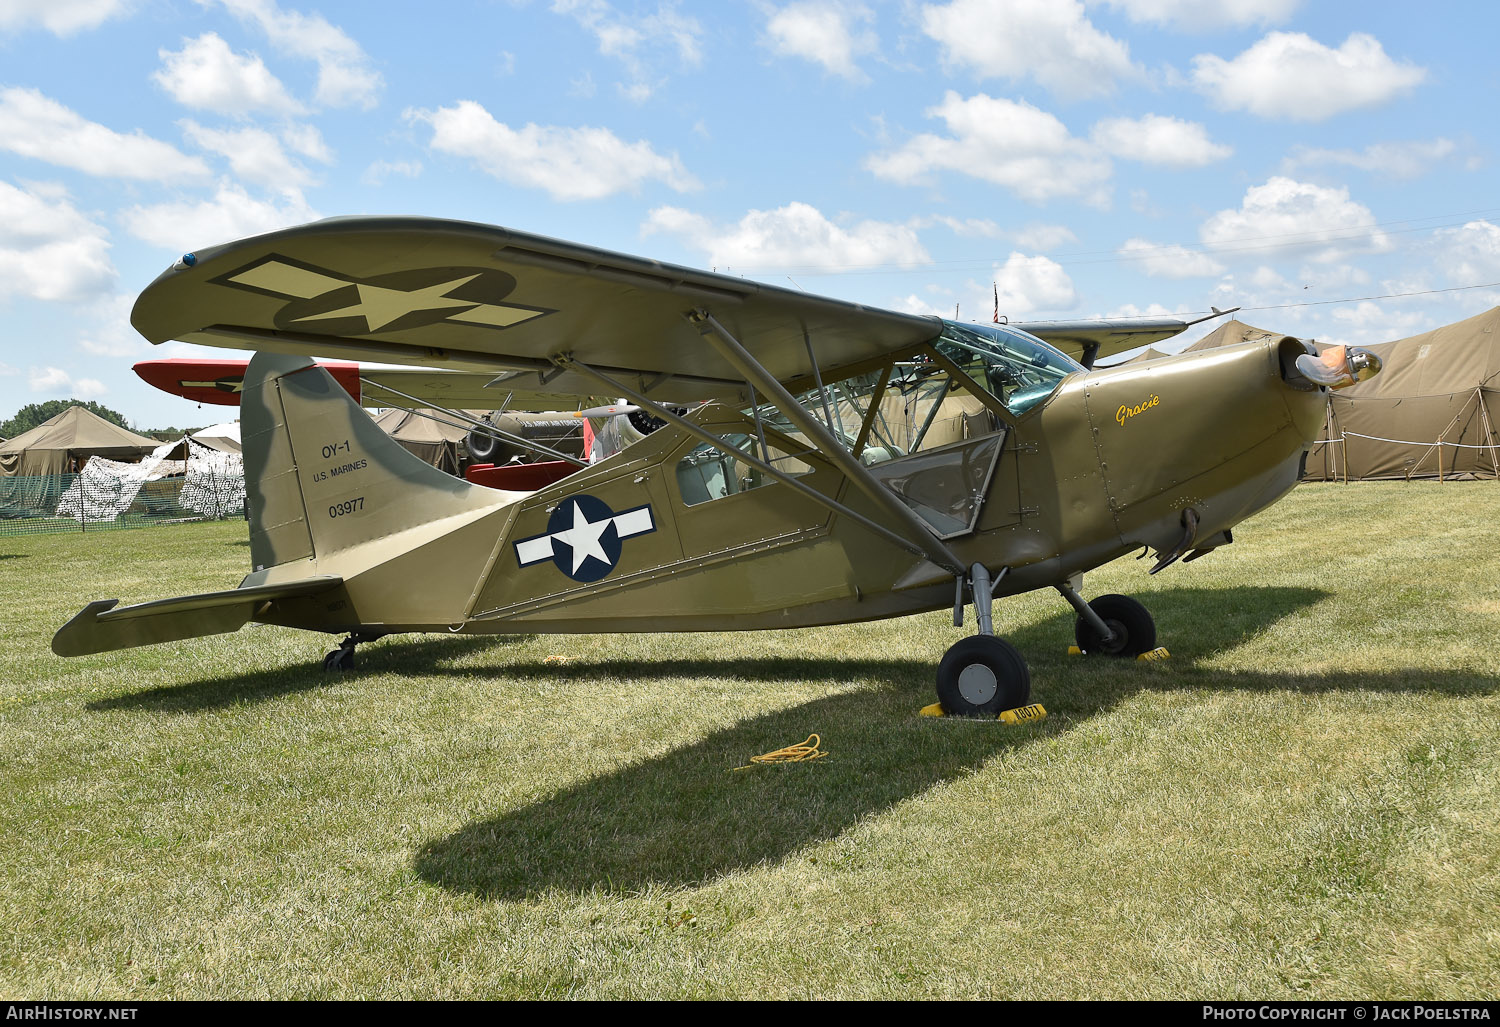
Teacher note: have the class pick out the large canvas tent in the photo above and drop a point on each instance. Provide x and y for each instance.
(1231, 333)
(441, 445)
(65, 443)
(1429, 413)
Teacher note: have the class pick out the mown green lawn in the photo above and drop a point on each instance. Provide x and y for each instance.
(1301, 802)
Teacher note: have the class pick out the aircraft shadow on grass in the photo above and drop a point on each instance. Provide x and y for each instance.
(424, 656)
(684, 818)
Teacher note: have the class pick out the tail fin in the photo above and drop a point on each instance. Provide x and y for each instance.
(322, 477)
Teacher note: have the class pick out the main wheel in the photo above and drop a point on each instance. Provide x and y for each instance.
(1135, 631)
(339, 660)
(982, 675)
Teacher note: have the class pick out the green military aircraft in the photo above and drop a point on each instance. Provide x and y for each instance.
(818, 462)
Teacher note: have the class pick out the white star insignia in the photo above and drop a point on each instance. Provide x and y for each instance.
(380, 306)
(583, 538)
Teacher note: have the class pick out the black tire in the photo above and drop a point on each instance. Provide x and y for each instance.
(338, 661)
(982, 675)
(1135, 631)
(482, 447)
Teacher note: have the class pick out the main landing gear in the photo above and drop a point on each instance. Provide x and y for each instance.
(984, 674)
(342, 658)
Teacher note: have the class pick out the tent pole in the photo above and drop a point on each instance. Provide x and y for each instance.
(1489, 431)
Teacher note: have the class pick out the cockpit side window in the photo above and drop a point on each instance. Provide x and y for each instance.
(911, 405)
(1018, 369)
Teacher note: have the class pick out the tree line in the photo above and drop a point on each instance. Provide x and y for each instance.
(34, 414)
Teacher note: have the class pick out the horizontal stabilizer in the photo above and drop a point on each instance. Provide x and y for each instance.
(103, 626)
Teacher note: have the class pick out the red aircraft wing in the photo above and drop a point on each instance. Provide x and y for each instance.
(220, 380)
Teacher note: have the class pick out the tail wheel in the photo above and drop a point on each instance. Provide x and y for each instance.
(982, 675)
(1134, 630)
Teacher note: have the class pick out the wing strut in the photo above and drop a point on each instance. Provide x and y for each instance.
(917, 531)
(616, 387)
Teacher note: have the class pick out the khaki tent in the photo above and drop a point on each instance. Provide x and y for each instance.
(441, 445)
(1149, 353)
(66, 442)
(1231, 333)
(1429, 413)
(223, 437)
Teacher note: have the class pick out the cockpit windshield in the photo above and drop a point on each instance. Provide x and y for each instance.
(1019, 369)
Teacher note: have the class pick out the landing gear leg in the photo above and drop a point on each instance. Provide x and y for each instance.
(1112, 625)
(342, 658)
(982, 674)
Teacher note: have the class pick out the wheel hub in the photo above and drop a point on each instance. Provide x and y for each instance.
(977, 684)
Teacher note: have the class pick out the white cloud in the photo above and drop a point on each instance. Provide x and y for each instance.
(1007, 142)
(1366, 323)
(1027, 284)
(1405, 160)
(569, 163)
(308, 141)
(968, 228)
(794, 236)
(1287, 216)
(378, 172)
(1156, 139)
(345, 75)
(1291, 75)
(1044, 237)
(914, 304)
(206, 75)
(48, 250)
(36, 126)
(49, 379)
(1469, 255)
(1170, 261)
(637, 41)
(1196, 15)
(55, 381)
(231, 214)
(109, 333)
(1035, 236)
(60, 17)
(6, 371)
(1052, 41)
(832, 33)
(1131, 310)
(255, 156)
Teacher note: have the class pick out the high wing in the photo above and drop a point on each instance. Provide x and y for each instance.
(452, 294)
(459, 295)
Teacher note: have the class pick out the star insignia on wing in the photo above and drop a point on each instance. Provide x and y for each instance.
(328, 302)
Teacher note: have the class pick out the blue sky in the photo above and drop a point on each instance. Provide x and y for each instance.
(1107, 157)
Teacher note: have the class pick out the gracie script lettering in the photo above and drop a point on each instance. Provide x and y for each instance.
(1125, 413)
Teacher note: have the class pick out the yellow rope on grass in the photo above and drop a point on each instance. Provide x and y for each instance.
(808, 750)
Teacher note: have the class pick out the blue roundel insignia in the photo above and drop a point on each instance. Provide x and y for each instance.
(584, 536)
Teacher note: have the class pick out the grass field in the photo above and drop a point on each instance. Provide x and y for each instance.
(1302, 802)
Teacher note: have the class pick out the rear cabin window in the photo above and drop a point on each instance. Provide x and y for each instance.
(707, 473)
